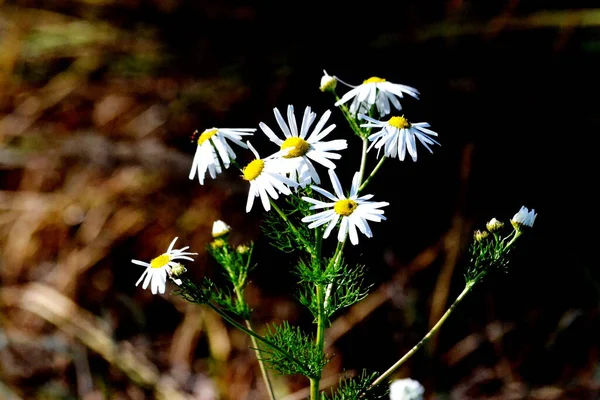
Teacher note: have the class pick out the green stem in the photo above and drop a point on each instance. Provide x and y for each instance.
(333, 263)
(320, 340)
(429, 334)
(512, 241)
(351, 120)
(263, 369)
(377, 167)
(253, 334)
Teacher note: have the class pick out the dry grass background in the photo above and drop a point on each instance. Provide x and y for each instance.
(98, 99)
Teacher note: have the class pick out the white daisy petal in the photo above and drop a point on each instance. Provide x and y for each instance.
(324, 193)
(343, 229)
(281, 122)
(331, 225)
(149, 277)
(337, 186)
(142, 277)
(352, 232)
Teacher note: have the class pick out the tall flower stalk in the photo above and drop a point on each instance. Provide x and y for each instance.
(304, 213)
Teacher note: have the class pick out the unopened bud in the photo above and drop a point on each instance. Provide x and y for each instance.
(220, 228)
(242, 249)
(480, 235)
(178, 270)
(328, 83)
(217, 244)
(494, 225)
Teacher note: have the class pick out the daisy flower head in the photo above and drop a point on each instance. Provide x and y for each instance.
(212, 145)
(376, 91)
(305, 146)
(266, 179)
(523, 218)
(162, 266)
(353, 211)
(398, 135)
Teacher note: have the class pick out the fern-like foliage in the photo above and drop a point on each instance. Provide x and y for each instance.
(282, 236)
(228, 302)
(348, 289)
(200, 293)
(357, 388)
(485, 255)
(345, 286)
(300, 354)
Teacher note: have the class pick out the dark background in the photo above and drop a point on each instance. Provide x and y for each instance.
(99, 100)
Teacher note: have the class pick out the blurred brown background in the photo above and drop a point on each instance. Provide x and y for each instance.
(98, 99)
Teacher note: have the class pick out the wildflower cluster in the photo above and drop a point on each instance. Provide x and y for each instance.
(302, 211)
(490, 249)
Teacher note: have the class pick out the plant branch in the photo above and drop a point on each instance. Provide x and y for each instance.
(429, 334)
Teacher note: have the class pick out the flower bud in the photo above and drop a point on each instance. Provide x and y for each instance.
(480, 235)
(328, 83)
(217, 244)
(242, 249)
(220, 228)
(178, 270)
(494, 225)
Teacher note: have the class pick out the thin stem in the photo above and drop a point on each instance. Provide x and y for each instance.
(377, 167)
(351, 120)
(263, 370)
(429, 334)
(512, 241)
(334, 260)
(320, 339)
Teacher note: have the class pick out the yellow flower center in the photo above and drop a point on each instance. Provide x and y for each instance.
(345, 207)
(253, 169)
(373, 79)
(207, 134)
(299, 147)
(160, 261)
(399, 122)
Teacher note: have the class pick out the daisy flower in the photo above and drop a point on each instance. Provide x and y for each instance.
(354, 211)
(376, 91)
(212, 145)
(303, 146)
(265, 175)
(523, 218)
(397, 135)
(157, 270)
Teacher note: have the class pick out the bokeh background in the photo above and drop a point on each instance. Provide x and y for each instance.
(98, 99)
